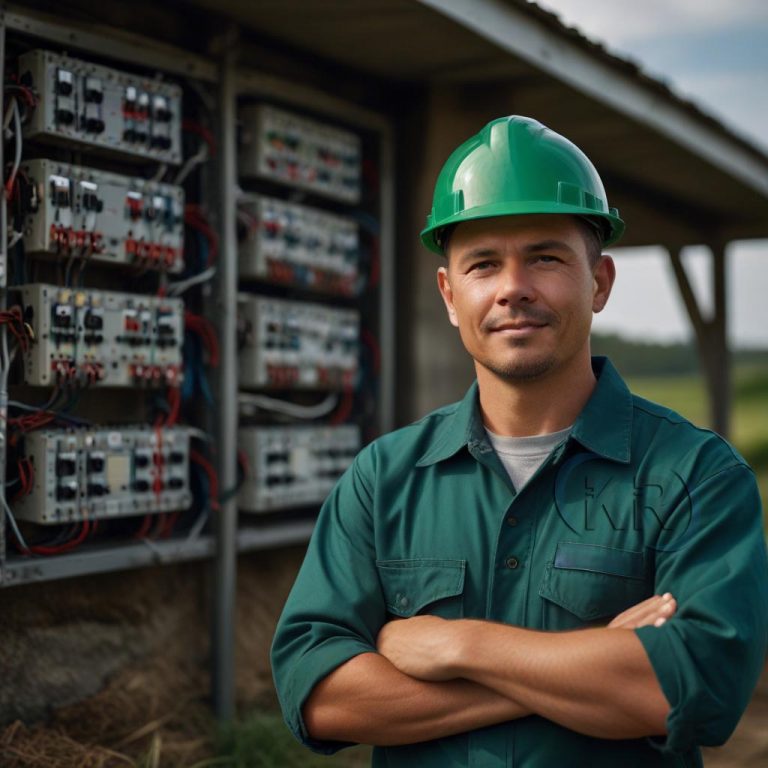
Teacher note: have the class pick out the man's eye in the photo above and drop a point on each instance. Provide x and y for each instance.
(481, 265)
(548, 259)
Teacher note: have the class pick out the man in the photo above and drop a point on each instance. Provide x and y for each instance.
(492, 586)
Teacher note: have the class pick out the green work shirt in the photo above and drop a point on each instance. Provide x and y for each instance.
(636, 501)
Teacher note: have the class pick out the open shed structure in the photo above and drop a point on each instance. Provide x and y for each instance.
(416, 77)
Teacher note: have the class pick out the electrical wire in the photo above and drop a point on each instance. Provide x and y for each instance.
(178, 287)
(248, 401)
(17, 155)
(192, 162)
(12, 522)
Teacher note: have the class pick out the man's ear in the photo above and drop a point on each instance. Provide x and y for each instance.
(445, 291)
(604, 277)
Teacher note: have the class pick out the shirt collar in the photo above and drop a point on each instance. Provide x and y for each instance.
(604, 426)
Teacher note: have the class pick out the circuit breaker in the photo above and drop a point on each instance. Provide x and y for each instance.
(77, 212)
(293, 466)
(105, 473)
(297, 345)
(102, 107)
(295, 150)
(89, 337)
(283, 242)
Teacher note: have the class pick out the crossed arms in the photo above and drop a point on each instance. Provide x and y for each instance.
(433, 678)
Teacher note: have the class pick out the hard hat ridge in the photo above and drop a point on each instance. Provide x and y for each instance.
(515, 165)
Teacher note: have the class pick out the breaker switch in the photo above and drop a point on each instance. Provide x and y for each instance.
(66, 491)
(94, 125)
(134, 204)
(162, 113)
(141, 486)
(96, 462)
(65, 116)
(97, 489)
(94, 91)
(62, 315)
(94, 319)
(64, 80)
(175, 483)
(66, 464)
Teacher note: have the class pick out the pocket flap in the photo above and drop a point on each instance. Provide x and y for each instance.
(410, 585)
(594, 582)
(576, 556)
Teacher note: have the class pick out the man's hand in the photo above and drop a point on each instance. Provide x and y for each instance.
(655, 610)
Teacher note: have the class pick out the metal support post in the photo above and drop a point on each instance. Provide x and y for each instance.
(225, 566)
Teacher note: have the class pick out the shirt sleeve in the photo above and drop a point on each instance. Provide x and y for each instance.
(708, 657)
(336, 607)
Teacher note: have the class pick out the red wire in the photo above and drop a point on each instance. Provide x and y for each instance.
(213, 480)
(193, 127)
(344, 409)
(66, 546)
(203, 328)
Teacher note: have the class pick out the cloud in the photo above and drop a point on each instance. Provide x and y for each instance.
(618, 22)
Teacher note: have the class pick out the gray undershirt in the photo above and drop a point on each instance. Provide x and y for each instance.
(522, 456)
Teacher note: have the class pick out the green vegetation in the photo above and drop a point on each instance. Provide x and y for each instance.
(262, 740)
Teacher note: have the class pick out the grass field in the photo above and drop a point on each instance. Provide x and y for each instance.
(262, 741)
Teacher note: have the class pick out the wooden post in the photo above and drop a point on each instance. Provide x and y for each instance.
(711, 335)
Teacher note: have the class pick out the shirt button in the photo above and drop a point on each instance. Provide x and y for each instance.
(403, 602)
(512, 521)
(512, 562)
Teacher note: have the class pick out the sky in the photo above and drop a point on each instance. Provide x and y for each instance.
(715, 53)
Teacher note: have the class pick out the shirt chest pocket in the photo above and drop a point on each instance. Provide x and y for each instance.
(429, 586)
(587, 582)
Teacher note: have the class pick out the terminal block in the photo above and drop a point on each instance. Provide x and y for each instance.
(295, 150)
(283, 242)
(105, 473)
(293, 466)
(297, 345)
(87, 337)
(83, 213)
(111, 109)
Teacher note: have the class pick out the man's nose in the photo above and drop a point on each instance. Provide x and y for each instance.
(515, 283)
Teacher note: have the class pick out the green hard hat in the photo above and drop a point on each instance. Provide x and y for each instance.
(516, 165)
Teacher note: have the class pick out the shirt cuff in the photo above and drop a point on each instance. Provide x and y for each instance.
(313, 667)
(664, 655)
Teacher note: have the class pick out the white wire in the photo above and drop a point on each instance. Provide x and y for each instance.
(17, 140)
(12, 520)
(180, 286)
(15, 239)
(200, 434)
(160, 173)
(192, 162)
(265, 403)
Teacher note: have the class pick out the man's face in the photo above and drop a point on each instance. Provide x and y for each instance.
(521, 292)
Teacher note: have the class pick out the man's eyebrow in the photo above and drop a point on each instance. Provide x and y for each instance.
(548, 245)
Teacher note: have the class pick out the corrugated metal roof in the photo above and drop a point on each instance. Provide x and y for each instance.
(636, 70)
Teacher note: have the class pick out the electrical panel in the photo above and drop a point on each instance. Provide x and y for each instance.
(102, 107)
(92, 337)
(297, 345)
(77, 212)
(105, 473)
(284, 242)
(301, 152)
(293, 466)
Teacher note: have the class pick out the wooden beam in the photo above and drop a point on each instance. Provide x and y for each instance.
(711, 335)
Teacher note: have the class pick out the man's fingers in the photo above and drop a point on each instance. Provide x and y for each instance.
(655, 610)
